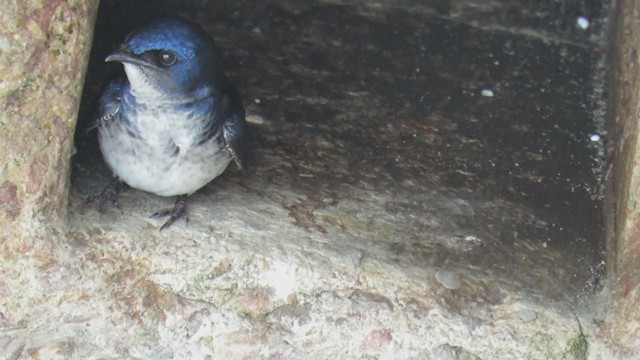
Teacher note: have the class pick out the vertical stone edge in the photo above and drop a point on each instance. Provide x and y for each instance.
(622, 207)
(44, 52)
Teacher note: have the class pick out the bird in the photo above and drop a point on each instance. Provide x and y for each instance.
(173, 121)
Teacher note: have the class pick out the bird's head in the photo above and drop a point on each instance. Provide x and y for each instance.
(170, 59)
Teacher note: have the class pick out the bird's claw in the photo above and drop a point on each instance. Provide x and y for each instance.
(179, 210)
(108, 194)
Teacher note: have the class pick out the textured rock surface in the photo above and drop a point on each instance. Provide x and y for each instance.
(43, 56)
(393, 211)
(624, 178)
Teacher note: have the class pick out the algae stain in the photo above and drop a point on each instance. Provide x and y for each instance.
(578, 347)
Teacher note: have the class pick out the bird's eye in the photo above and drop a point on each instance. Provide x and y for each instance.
(167, 58)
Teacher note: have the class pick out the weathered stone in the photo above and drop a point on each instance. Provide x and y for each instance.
(44, 47)
(371, 225)
(623, 177)
(448, 279)
(377, 341)
(9, 201)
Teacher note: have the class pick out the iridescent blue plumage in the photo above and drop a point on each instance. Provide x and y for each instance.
(175, 122)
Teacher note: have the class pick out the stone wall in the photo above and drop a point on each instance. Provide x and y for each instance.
(623, 177)
(43, 55)
(44, 47)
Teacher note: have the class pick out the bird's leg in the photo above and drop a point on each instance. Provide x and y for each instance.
(178, 211)
(109, 194)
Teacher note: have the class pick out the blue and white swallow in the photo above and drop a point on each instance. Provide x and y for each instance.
(175, 121)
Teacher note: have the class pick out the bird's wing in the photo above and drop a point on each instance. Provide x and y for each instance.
(109, 103)
(234, 128)
(227, 120)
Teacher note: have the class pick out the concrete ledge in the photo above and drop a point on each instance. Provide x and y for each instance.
(337, 274)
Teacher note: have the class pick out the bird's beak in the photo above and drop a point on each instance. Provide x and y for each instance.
(126, 56)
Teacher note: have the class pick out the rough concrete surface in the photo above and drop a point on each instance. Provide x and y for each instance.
(623, 178)
(43, 57)
(43, 48)
(424, 184)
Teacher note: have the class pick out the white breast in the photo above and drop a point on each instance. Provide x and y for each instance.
(167, 161)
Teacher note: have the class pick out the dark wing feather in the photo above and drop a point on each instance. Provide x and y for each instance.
(109, 103)
(234, 128)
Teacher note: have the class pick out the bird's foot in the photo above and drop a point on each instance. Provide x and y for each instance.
(108, 194)
(178, 211)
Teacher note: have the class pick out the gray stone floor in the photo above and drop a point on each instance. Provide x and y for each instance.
(424, 183)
